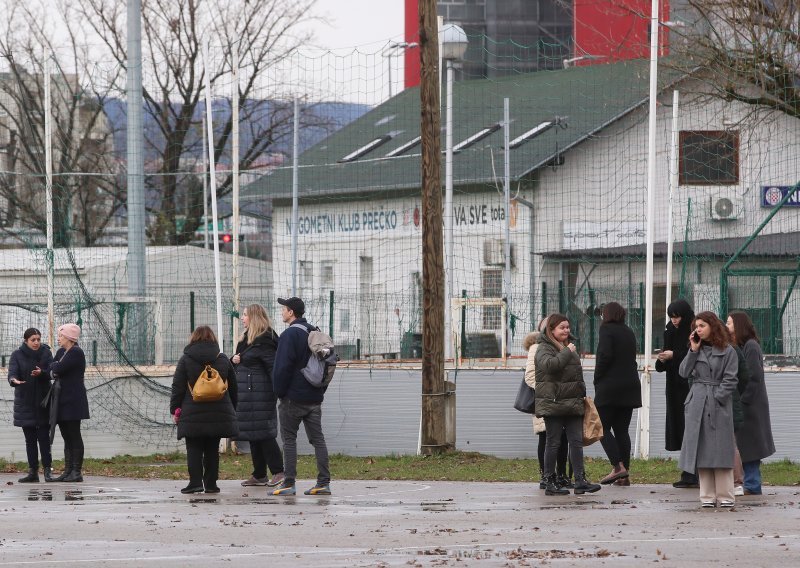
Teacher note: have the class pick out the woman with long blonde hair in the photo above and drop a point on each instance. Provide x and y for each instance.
(257, 410)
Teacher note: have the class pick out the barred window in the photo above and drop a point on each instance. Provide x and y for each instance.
(709, 157)
(492, 287)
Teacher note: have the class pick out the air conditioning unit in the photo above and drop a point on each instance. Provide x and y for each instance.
(725, 207)
(494, 253)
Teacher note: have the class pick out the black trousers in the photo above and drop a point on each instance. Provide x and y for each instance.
(556, 427)
(266, 453)
(73, 442)
(37, 438)
(616, 439)
(561, 458)
(202, 461)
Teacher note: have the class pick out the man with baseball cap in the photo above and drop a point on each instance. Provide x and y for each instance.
(300, 402)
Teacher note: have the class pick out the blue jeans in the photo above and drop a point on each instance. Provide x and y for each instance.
(752, 476)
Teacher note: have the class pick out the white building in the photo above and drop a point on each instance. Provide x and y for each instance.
(579, 157)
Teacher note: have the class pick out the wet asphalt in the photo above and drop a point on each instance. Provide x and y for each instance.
(148, 523)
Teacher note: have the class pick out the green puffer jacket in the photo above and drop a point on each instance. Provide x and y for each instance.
(559, 381)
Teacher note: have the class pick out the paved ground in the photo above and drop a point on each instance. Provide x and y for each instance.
(135, 523)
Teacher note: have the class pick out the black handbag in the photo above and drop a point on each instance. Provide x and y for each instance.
(526, 398)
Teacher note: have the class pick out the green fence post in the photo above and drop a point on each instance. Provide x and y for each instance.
(592, 319)
(562, 304)
(463, 325)
(774, 322)
(330, 316)
(94, 352)
(544, 304)
(191, 312)
(358, 349)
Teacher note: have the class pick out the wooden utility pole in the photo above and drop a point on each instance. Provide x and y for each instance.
(434, 394)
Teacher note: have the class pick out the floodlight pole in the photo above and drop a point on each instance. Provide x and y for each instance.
(48, 161)
(673, 185)
(235, 183)
(643, 434)
(137, 268)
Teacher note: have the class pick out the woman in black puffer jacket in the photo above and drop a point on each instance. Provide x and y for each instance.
(31, 386)
(560, 391)
(203, 424)
(256, 413)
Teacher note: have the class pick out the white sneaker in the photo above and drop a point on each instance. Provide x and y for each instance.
(738, 490)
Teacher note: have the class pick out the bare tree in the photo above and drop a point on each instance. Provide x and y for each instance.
(86, 194)
(748, 50)
(265, 32)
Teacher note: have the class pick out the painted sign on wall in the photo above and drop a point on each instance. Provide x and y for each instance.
(579, 235)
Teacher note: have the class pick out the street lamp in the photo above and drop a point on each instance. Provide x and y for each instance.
(389, 53)
(454, 44)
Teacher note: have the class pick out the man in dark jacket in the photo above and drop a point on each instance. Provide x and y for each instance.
(299, 400)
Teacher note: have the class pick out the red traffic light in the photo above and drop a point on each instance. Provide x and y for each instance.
(226, 238)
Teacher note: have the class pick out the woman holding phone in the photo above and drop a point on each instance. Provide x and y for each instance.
(708, 443)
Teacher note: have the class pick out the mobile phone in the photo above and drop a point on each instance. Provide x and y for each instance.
(695, 337)
(656, 351)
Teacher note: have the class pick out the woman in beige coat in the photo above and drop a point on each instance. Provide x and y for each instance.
(530, 344)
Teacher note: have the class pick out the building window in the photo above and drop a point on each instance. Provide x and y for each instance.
(709, 157)
(344, 320)
(492, 287)
(306, 276)
(326, 275)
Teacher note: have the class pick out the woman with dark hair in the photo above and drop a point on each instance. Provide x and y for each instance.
(708, 443)
(676, 345)
(560, 391)
(31, 386)
(203, 424)
(256, 411)
(617, 390)
(754, 437)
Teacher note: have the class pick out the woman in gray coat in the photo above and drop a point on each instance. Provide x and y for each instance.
(708, 443)
(754, 436)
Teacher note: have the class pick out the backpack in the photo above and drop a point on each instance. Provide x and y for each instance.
(322, 362)
(209, 386)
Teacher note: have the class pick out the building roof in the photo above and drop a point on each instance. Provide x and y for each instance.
(579, 101)
(778, 245)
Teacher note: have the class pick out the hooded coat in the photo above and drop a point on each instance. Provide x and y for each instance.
(708, 440)
(28, 397)
(677, 387)
(256, 409)
(531, 344)
(215, 419)
(560, 388)
(754, 437)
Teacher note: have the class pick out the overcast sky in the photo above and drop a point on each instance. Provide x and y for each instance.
(359, 23)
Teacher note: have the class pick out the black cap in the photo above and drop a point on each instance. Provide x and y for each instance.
(295, 304)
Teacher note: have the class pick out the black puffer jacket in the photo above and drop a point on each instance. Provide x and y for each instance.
(559, 380)
(204, 419)
(256, 411)
(28, 411)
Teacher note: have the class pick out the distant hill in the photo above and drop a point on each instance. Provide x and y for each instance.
(330, 117)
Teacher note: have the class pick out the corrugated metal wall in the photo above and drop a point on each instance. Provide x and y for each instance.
(378, 412)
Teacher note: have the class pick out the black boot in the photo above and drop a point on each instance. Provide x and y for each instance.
(687, 481)
(564, 481)
(75, 475)
(550, 486)
(48, 473)
(32, 477)
(582, 485)
(67, 465)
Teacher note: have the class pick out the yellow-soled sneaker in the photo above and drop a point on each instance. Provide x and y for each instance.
(318, 490)
(285, 489)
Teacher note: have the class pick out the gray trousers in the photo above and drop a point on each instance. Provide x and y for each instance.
(310, 414)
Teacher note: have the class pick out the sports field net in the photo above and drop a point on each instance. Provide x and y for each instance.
(577, 163)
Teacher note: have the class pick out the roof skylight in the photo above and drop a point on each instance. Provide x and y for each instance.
(535, 131)
(480, 135)
(355, 154)
(404, 148)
